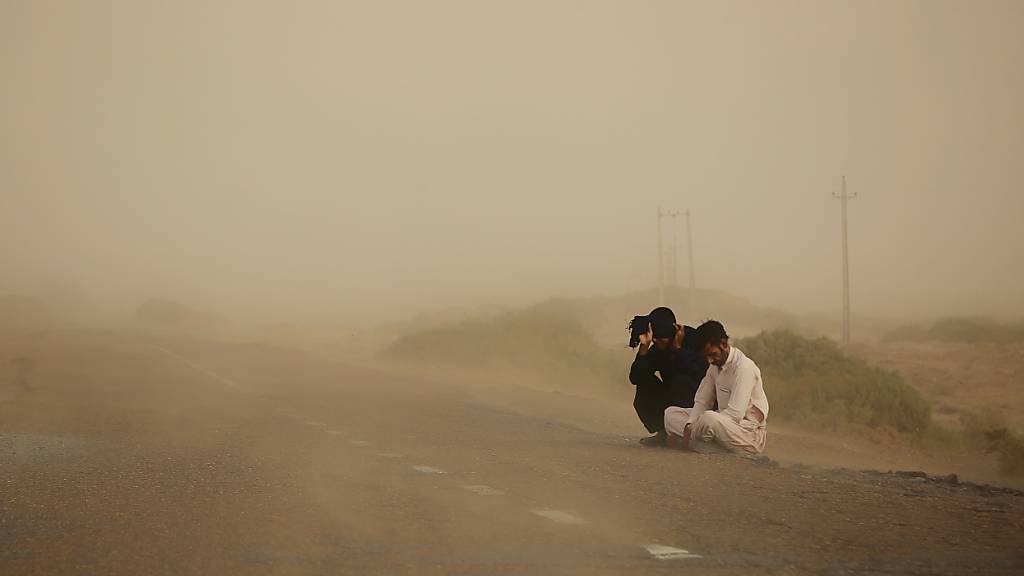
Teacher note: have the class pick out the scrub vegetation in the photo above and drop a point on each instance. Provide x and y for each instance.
(22, 315)
(537, 344)
(811, 381)
(992, 435)
(967, 329)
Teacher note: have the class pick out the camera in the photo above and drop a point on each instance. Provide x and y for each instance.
(639, 325)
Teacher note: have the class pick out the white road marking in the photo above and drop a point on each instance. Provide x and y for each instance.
(335, 432)
(428, 470)
(389, 455)
(483, 490)
(669, 553)
(559, 516)
(359, 442)
(225, 381)
(314, 423)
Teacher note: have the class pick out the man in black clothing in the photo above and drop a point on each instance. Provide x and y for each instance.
(670, 351)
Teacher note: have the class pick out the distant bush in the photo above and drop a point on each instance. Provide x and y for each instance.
(21, 315)
(812, 382)
(541, 343)
(968, 329)
(991, 433)
(1010, 449)
(171, 314)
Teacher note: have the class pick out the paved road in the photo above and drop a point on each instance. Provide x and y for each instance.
(139, 455)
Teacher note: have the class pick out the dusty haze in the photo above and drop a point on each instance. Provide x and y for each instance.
(327, 287)
(344, 161)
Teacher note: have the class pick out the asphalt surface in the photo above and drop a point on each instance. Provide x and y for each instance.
(130, 454)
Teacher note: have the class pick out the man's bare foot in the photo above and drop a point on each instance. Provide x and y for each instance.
(656, 440)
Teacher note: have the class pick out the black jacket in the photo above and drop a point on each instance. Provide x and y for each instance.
(680, 370)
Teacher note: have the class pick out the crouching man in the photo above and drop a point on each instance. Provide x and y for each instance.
(672, 352)
(735, 381)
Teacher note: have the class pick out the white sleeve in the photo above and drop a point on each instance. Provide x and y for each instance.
(742, 388)
(703, 398)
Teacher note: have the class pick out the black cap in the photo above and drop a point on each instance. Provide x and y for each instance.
(663, 329)
(663, 322)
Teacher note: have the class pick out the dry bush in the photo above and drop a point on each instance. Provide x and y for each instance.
(22, 315)
(169, 314)
(972, 330)
(989, 432)
(1010, 449)
(812, 382)
(539, 343)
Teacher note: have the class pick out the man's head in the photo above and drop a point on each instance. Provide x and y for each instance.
(663, 325)
(713, 342)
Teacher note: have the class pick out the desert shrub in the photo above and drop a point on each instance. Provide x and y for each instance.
(811, 381)
(162, 312)
(541, 343)
(1009, 447)
(966, 329)
(990, 432)
(159, 313)
(21, 315)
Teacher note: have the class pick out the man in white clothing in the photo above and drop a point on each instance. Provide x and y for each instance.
(735, 382)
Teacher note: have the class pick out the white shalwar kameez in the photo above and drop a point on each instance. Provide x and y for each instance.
(740, 425)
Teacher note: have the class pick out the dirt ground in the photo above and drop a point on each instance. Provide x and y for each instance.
(133, 454)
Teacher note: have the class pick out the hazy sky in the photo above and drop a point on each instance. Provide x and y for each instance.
(339, 160)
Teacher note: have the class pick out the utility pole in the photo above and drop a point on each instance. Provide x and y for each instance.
(674, 279)
(689, 244)
(843, 197)
(675, 250)
(661, 263)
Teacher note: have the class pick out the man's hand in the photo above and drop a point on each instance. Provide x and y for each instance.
(680, 442)
(645, 341)
(687, 437)
(677, 342)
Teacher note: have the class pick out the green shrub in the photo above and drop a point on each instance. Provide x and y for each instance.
(540, 343)
(967, 329)
(812, 382)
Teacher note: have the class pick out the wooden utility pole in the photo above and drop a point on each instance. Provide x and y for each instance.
(689, 244)
(674, 278)
(661, 264)
(675, 250)
(844, 197)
